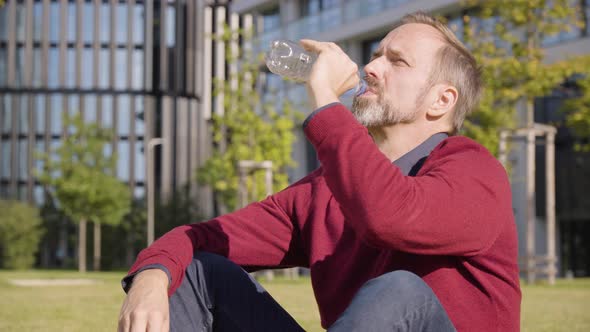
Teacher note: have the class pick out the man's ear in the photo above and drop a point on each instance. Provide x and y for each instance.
(444, 101)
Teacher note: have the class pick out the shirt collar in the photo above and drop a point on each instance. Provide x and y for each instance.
(411, 162)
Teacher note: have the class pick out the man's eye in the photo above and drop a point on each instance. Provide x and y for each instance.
(398, 61)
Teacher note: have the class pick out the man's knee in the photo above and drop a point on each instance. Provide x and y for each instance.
(401, 285)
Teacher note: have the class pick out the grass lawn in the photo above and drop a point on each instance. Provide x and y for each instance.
(563, 307)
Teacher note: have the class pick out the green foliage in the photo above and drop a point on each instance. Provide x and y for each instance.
(122, 242)
(20, 233)
(179, 210)
(81, 176)
(247, 131)
(578, 110)
(506, 38)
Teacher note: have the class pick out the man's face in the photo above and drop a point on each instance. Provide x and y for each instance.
(397, 77)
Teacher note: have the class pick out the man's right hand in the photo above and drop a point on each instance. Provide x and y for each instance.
(146, 306)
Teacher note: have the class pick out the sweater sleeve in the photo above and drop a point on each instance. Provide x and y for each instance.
(456, 205)
(257, 236)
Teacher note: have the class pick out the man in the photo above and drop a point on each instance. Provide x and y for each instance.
(426, 243)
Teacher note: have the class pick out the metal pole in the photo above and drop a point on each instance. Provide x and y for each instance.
(502, 153)
(150, 187)
(530, 210)
(550, 212)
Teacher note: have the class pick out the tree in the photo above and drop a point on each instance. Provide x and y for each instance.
(20, 233)
(178, 210)
(578, 114)
(82, 182)
(506, 37)
(247, 131)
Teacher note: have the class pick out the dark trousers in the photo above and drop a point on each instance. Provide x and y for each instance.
(217, 295)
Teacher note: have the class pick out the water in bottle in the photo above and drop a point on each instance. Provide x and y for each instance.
(290, 60)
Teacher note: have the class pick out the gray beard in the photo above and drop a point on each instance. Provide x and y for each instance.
(373, 114)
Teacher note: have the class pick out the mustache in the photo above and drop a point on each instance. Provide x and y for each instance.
(373, 83)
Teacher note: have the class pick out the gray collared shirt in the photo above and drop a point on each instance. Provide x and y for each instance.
(411, 162)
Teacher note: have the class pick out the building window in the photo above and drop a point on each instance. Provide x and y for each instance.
(37, 20)
(314, 7)
(87, 22)
(138, 24)
(107, 111)
(3, 64)
(123, 155)
(72, 31)
(139, 192)
(53, 68)
(39, 195)
(4, 23)
(121, 24)
(6, 114)
(271, 20)
(137, 70)
(37, 67)
(120, 69)
(103, 71)
(310, 7)
(20, 22)
(56, 114)
(87, 68)
(70, 68)
(23, 157)
(5, 166)
(90, 108)
(38, 162)
(20, 66)
(39, 114)
(123, 116)
(54, 22)
(139, 162)
(23, 115)
(74, 106)
(105, 23)
(170, 26)
(139, 115)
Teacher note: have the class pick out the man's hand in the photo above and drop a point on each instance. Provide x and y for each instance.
(332, 74)
(146, 306)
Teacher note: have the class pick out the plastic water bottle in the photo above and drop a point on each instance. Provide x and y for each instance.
(290, 60)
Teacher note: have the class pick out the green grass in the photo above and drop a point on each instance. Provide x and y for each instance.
(563, 307)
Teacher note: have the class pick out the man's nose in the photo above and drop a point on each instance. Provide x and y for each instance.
(372, 68)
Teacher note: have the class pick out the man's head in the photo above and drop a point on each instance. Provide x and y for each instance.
(420, 71)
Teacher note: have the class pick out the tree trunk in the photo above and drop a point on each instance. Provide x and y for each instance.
(129, 252)
(82, 246)
(96, 261)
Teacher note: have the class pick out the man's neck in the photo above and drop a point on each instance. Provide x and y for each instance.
(397, 140)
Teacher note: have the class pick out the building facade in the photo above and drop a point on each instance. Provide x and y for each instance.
(358, 26)
(140, 67)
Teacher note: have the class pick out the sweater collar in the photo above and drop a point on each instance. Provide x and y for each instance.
(411, 162)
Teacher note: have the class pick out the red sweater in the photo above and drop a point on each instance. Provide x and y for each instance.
(359, 217)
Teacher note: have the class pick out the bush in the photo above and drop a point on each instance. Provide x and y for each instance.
(20, 233)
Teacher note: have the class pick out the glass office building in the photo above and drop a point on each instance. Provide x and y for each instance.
(141, 67)
(132, 66)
